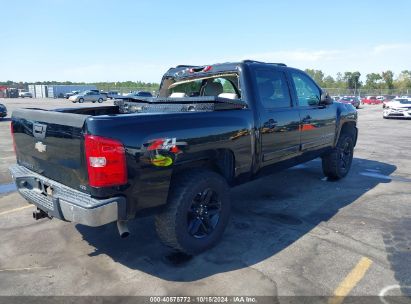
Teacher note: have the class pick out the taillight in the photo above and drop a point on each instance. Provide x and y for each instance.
(12, 136)
(106, 161)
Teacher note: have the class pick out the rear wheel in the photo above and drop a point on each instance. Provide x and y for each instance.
(197, 212)
(100, 100)
(81, 100)
(337, 163)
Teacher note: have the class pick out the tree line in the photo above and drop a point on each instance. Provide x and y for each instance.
(347, 80)
(120, 85)
(373, 81)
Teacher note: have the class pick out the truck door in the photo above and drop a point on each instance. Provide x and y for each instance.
(279, 119)
(318, 122)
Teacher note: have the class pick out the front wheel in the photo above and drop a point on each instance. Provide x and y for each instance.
(337, 163)
(81, 100)
(100, 100)
(197, 212)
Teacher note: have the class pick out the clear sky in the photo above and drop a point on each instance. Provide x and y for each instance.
(138, 40)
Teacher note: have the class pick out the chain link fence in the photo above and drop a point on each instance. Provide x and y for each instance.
(367, 92)
(127, 90)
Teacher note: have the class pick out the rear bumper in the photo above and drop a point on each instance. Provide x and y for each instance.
(65, 203)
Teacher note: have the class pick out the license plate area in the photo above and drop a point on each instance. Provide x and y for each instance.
(35, 184)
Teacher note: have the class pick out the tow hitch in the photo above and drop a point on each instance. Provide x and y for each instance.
(39, 214)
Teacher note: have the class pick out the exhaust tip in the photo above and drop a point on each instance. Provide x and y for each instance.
(124, 235)
(123, 229)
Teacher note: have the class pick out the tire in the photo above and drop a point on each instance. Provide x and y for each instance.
(100, 100)
(81, 100)
(337, 163)
(74, 101)
(197, 212)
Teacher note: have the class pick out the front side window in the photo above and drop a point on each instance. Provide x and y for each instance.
(272, 88)
(308, 94)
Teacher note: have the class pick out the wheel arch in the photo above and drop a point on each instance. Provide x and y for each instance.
(221, 161)
(348, 127)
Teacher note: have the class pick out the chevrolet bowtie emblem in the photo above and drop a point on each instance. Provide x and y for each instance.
(39, 146)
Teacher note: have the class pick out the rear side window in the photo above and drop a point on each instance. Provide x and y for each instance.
(272, 88)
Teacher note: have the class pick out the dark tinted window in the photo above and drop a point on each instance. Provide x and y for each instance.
(272, 88)
(308, 93)
(144, 94)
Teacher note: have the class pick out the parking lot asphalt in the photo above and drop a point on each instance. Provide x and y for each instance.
(292, 233)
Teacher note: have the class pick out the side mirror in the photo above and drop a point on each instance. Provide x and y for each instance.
(325, 99)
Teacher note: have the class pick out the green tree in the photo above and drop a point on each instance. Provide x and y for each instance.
(329, 82)
(373, 81)
(403, 81)
(317, 75)
(388, 77)
(352, 80)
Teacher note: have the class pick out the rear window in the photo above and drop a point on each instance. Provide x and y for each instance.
(226, 86)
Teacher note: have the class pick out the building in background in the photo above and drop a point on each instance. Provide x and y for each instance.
(56, 91)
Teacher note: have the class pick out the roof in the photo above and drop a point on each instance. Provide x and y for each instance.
(185, 71)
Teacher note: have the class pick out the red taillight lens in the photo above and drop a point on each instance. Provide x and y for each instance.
(106, 161)
(12, 136)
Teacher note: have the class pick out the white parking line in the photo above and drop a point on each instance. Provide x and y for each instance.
(385, 290)
(16, 209)
(25, 269)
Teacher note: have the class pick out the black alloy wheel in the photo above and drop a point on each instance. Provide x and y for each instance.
(204, 214)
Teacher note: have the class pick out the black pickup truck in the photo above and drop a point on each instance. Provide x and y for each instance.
(177, 154)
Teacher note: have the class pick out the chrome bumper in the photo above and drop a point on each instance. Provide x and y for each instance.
(65, 203)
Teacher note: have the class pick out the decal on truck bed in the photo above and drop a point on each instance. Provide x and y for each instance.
(162, 151)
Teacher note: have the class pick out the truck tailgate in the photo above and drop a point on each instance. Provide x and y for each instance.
(51, 144)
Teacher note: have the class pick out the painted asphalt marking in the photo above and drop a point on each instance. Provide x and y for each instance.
(384, 292)
(4, 188)
(16, 209)
(386, 177)
(350, 281)
(25, 269)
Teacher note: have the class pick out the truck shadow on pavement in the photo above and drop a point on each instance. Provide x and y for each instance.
(268, 215)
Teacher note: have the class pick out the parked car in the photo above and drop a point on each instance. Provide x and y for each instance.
(24, 94)
(176, 155)
(353, 100)
(140, 94)
(67, 95)
(3, 111)
(398, 108)
(90, 95)
(387, 101)
(373, 100)
(113, 94)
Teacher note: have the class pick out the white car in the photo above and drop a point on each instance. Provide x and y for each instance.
(24, 94)
(398, 107)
